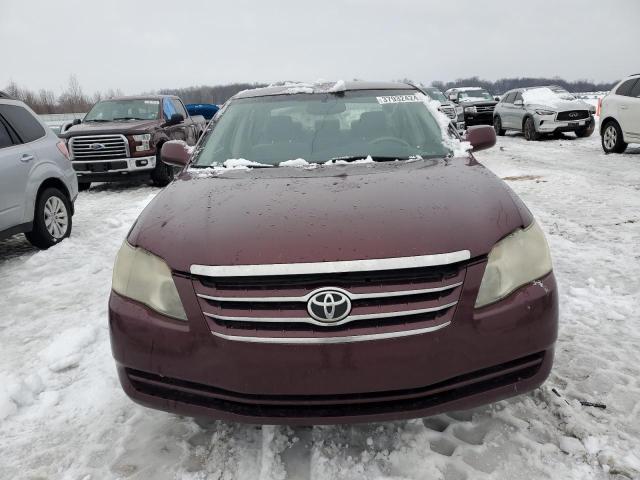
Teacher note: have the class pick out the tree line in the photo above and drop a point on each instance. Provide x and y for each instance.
(74, 100)
(504, 84)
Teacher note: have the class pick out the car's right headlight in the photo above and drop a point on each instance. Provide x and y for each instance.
(543, 112)
(141, 276)
(514, 261)
(471, 109)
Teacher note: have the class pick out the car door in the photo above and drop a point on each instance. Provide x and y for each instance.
(517, 112)
(629, 113)
(505, 110)
(16, 162)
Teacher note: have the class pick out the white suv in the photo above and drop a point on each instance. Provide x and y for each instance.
(37, 182)
(620, 115)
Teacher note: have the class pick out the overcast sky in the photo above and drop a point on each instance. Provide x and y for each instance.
(146, 45)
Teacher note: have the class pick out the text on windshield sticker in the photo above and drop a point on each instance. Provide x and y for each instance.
(397, 99)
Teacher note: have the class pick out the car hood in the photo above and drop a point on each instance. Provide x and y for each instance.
(560, 105)
(96, 128)
(331, 213)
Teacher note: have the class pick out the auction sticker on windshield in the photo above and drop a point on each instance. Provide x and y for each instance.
(397, 99)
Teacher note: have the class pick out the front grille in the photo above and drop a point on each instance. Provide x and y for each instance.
(381, 301)
(98, 147)
(449, 112)
(337, 405)
(485, 108)
(573, 115)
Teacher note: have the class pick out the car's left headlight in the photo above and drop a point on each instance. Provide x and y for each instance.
(544, 112)
(141, 276)
(514, 261)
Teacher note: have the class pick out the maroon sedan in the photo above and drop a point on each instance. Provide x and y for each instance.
(364, 267)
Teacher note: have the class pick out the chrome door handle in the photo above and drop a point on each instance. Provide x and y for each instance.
(27, 157)
(623, 107)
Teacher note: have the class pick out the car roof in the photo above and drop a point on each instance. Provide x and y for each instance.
(286, 88)
(464, 89)
(141, 97)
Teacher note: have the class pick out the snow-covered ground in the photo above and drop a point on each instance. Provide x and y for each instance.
(63, 414)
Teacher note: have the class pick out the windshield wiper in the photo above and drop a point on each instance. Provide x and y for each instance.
(375, 158)
(97, 120)
(127, 118)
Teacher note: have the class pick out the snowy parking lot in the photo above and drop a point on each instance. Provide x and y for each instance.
(63, 414)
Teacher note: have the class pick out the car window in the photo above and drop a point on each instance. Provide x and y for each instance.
(124, 109)
(321, 127)
(23, 122)
(509, 98)
(168, 108)
(517, 97)
(635, 90)
(179, 108)
(5, 138)
(625, 88)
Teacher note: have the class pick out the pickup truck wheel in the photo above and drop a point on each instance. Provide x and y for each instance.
(612, 140)
(530, 130)
(51, 220)
(83, 186)
(497, 125)
(162, 174)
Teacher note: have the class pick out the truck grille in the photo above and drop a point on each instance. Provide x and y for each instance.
(98, 147)
(573, 115)
(382, 302)
(449, 112)
(485, 108)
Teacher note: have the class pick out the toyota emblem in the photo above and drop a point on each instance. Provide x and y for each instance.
(329, 305)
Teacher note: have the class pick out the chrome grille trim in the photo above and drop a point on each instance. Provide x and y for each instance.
(330, 340)
(396, 263)
(485, 108)
(116, 146)
(350, 318)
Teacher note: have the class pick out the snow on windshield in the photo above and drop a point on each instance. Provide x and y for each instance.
(546, 96)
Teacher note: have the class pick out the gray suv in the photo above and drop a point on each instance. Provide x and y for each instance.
(542, 110)
(37, 182)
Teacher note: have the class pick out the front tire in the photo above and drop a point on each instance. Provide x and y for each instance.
(52, 219)
(162, 174)
(497, 126)
(530, 132)
(612, 140)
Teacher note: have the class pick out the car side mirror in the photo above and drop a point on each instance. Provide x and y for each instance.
(518, 103)
(480, 137)
(175, 119)
(453, 97)
(76, 121)
(497, 99)
(175, 153)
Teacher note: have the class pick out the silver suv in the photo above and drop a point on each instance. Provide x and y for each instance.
(542, 110)
(37, 182)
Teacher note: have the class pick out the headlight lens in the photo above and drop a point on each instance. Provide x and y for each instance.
(545, 112)
(470, 109)
(142, 142)
(141, 276)
(459, 110)
(513, 262)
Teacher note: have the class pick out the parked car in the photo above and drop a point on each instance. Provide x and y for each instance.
(37, 183)
(366, 289)
(121, 138)
(537, 111)
(620, 115)
(207, 110)
(477, 103)
(450, 109)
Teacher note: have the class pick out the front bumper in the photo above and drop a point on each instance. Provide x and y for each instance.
(482, 356)
(113, 170)
(549, 124)
(482, 118)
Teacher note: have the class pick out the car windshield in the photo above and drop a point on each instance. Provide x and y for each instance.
(436, 94)
(562, 93)
(110, 110)
(383, 124)
(474, 95)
